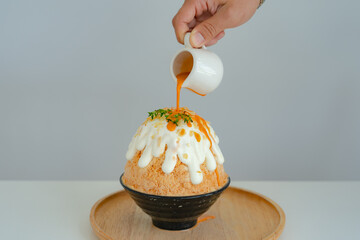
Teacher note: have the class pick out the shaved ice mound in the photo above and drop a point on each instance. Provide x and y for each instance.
(174, 153)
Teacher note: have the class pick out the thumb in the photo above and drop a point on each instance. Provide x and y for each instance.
(206, 31)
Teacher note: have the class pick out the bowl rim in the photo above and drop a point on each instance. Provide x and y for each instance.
(175, 197)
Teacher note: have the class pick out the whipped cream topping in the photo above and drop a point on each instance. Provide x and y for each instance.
(186, 143)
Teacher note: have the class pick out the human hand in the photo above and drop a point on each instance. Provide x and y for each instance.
(207, 19)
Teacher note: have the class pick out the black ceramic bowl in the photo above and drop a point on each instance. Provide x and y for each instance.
(174, 213)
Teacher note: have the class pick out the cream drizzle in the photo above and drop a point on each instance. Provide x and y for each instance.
(152, 137)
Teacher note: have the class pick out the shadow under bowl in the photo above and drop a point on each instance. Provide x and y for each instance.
(174, 212)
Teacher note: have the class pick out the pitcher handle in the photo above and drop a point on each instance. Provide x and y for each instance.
(187, 41)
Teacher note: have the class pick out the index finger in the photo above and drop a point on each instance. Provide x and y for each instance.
(181, 20)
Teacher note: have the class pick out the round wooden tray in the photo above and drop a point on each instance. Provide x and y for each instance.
(239, 214)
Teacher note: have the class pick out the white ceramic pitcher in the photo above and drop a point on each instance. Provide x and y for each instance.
(205, 67)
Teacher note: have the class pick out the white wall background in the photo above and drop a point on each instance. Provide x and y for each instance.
(78, 77)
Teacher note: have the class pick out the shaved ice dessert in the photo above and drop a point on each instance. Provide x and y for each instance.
(174, 153)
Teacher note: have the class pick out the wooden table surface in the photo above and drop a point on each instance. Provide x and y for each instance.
(60, 209)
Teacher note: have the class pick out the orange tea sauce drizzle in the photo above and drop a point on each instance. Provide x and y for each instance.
(171, 126)
(203, 127)
(203, 219)
(196, 92)
(202, 124)
(180, 81)
(217, 176)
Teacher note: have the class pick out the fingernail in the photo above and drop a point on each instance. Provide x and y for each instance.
(198, 39)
